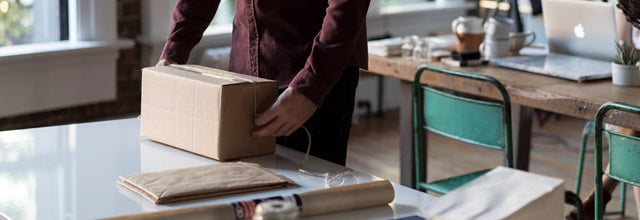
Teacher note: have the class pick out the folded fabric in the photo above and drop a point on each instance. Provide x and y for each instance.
(203, 181)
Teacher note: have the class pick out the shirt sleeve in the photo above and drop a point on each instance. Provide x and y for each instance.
(332, 47)
(189, 20)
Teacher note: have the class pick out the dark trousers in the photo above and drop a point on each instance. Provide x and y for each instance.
(330, 124)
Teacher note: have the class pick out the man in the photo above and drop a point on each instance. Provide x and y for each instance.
(314, 49)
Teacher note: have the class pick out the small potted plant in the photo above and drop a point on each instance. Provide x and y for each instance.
(624, 71)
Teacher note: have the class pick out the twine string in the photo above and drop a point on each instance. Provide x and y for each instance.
(328, 182)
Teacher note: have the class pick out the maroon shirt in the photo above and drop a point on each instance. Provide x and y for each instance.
(304, 44)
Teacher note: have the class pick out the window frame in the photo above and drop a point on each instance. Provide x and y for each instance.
(78, 71)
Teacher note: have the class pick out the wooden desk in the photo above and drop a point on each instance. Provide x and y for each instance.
(525, 89)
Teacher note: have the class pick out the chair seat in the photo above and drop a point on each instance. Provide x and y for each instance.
(445, 186)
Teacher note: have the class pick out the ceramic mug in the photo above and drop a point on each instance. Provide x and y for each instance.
(517, 40)
(469, 33)
(492, 48)
(498, 27)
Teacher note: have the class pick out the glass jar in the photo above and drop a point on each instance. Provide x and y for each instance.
(421, 51)
(407, 47)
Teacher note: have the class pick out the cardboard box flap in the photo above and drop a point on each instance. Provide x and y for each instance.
(210, 75)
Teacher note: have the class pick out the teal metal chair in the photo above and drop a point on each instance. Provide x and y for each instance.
(624, 154)
(587, 132)
(479, 122)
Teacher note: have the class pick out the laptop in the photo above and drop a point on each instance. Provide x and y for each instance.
(581, 39)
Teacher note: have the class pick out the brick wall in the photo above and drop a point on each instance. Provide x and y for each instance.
(127, 103)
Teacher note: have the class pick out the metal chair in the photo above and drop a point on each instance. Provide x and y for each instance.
(624, 154)
(587, 132)
(479, 122)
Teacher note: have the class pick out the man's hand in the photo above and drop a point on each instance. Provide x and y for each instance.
(285, 116)
(165, 62)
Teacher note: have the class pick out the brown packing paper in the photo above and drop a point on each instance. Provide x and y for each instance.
(345, 198)
(338, 199)
(205, 111)
(203, 181)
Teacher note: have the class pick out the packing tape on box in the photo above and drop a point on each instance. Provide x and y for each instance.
(337, 199)
(220, 75)
(215, 74)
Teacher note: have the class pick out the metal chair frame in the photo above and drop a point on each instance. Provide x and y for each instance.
(418, 120)
(619, 167)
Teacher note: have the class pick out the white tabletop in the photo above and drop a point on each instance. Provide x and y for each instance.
(70, 172)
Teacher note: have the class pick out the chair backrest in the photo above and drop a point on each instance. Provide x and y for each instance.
(469, 120)
(624, 153)
(479, 122)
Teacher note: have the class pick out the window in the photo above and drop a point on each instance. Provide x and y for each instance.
(225, 13)
(222, 22)
(32, 21)
(384, 3)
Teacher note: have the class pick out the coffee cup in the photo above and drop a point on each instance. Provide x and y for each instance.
(498, 27)
(518, 40)
(469, 33)
(494, 48)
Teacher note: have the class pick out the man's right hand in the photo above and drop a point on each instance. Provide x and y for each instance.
(165, 62)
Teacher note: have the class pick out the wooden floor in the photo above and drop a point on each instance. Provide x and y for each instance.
(374, 148)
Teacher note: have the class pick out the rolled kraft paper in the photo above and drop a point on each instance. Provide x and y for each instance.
(325, 201)
(346, 198)
(220, 211)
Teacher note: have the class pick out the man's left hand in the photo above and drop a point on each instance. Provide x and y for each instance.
(286, 115)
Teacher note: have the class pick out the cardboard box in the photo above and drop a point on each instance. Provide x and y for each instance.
(502, 193)
(205, 111)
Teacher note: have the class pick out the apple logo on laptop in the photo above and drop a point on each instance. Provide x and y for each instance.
(579, 31)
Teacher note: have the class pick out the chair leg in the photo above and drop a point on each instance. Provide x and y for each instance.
(623, 198)
(573, 199)
(586, 132)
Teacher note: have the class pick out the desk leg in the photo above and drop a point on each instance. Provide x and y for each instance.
(523, 147)
(380, 95)
(407, 160)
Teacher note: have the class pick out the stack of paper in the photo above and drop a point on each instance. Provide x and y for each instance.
(386, 47)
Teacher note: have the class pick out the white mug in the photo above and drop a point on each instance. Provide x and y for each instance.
(467, 25)
(498, 27)
(492, 48)
(518, 40)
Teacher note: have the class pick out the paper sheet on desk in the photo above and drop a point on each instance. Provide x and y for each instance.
(503, 193)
